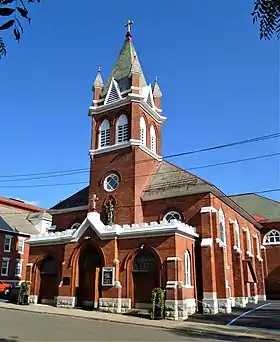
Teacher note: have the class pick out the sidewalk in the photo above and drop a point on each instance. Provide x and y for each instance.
(191, 327)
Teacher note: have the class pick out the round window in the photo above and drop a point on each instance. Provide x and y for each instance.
(111, 182)
(172, 215)
(75, 226)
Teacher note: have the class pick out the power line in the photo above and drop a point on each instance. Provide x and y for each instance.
(241, 142)
(178, 201)
(144, 175)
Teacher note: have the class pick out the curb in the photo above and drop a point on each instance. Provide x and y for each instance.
(214, 329)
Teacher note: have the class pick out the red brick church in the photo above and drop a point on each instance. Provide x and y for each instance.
(144, 222)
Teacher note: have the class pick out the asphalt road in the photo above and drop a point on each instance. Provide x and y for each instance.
(22, 326)
(264, 315)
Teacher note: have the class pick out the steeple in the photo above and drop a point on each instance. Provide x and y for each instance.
(98, 83)
(156, 89)
(126, 63)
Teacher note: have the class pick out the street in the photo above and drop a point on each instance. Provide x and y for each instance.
(22, 326)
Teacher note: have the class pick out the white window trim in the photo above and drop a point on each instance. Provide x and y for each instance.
(188, 269)
(153, 139)
(222, 220)
(20, 262)
(8, 265)
(118, 124)
(10, 244)
(23, 244)
(143, 131)
(105, 182)
(267, 235)
(171, 213)
(103, 128)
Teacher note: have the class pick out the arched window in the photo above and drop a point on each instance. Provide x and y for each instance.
(272, 238)
(172, 215)
(122, 129)
(249, 242)
(237, 234)
(143, 131)
(187, 268)
(222, 226)
(153, 141)
(104, 134)
(258, 245)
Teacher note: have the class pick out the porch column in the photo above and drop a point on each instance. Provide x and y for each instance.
(209, 302)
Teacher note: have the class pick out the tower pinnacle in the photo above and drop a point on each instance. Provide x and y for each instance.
(128, 25)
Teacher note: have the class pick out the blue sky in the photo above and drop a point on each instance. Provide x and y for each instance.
(220, 84)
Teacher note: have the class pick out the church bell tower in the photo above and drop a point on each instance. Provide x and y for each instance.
(126, 137)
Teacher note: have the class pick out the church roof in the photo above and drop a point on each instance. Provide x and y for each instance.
(259, 206)
(172, 181)
(126, 62)
(78, 199)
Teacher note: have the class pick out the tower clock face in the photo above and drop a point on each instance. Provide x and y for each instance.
(111, 182)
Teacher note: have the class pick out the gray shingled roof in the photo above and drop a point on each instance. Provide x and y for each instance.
(78, 199)
(12, 220)
(126, 61)
(259, 205)
(171, 181)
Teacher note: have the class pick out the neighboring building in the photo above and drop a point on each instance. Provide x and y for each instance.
(267, 212)
(144, 222)
(18, 221)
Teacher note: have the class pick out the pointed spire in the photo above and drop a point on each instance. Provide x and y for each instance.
(126, 62)
(98, 83)
(156, 89)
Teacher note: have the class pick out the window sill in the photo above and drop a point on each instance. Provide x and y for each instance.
(250, 255)
(187, 286)
(237, 249)
(221, 243)
(6, 251)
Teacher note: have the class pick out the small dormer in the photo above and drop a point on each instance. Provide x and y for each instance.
(114, 93)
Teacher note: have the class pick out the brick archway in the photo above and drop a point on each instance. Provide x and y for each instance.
(49, 280)
(141, 282)
(87, 262)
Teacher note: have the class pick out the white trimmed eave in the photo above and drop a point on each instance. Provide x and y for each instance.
(67, 210)
(131, 142)
(115, 231)
(131, 97)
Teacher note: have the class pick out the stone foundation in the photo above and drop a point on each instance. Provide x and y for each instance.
(171, 310)
(33, 299)
(253, 299)
(48, 301)
(65, 302)
(191, 306)
(210, 303)
(240, 302)
(115, 305)
(224, 305)
(262, 298)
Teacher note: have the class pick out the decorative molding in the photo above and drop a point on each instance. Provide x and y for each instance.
(263, 247)
(116, 261)
(245, 229)
(208, 210)
(206, 242)
(109, 232)
(220, 243)
(250, 255)
(237, 249)
(174, 259)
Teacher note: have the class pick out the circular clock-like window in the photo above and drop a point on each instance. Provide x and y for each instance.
(111, 182)
(172, 215)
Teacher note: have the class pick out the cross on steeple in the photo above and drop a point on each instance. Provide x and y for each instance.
(94, 200)
(128, 25)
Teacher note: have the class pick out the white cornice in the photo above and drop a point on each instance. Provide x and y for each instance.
(131, 142)
(110, 232)
(131, 97)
